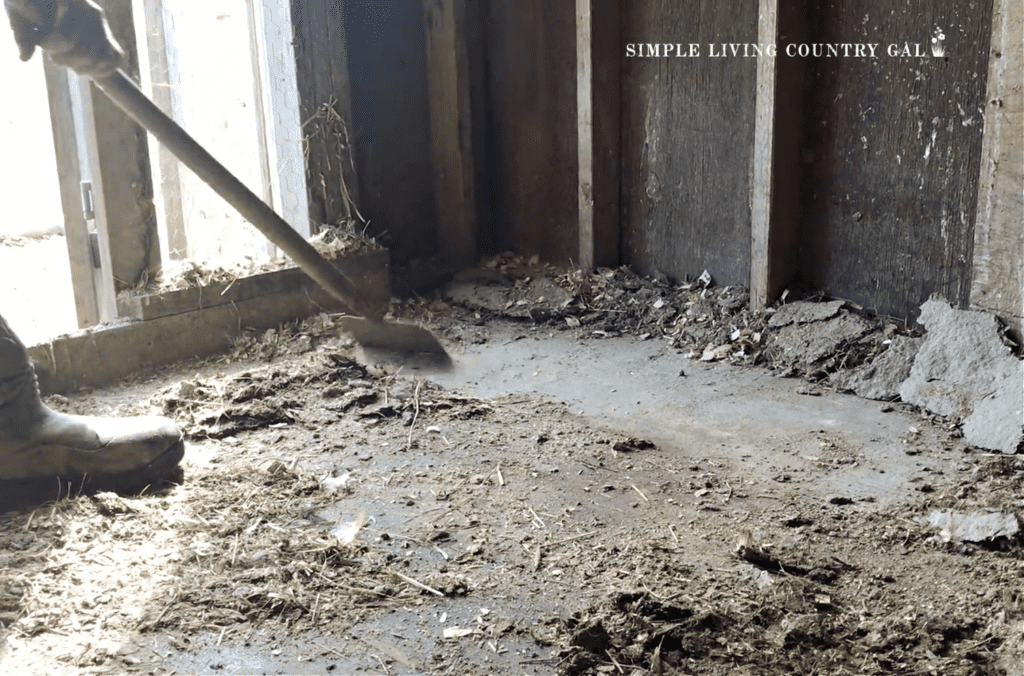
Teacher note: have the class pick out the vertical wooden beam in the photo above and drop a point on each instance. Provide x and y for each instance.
(322, 77)
(598, 104)
(585, 129)
(764, 141)
(261, 97)
(122, 183)
(997, 283)
(775, 174)
(160, 82)
(340, 91)
(69, 174)
(451, 126)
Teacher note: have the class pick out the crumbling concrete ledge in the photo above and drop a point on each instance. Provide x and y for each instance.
(964, 370)
(187, 325)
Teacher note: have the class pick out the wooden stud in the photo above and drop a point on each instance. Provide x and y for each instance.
(321, 69)
(775, 174)
(598, 125)
(120, 170)
(764, 138)
(997, 283)
(451, 127)
(62, 117)
(160, 81)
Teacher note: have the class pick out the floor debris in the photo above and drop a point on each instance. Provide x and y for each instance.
(341, 517)
(978, 527)
(880, 379)
(963, 370)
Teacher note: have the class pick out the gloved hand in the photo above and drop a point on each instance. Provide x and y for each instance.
(74, 33)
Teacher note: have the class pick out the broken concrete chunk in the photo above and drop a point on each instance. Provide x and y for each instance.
(803, 312)
(804, 344)
(964, 370)
(882, 378)
(978, 527)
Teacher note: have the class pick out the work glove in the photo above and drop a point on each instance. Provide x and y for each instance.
(74, 33)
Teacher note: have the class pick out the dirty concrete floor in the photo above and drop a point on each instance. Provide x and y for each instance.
(532, 492)
(695, 408)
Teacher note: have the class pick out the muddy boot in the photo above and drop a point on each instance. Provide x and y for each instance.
(72, 454)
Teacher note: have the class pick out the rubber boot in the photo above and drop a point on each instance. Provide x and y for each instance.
(89, 454)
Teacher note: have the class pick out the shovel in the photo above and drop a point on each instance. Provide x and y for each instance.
(368, 330)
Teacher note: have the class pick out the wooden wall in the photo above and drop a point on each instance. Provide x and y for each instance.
(687, 141)
(873, 163)
(891, 153)
(322, 78)
(531, 137)
(387, 54)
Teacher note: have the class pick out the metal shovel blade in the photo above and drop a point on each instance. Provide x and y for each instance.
(390, 335)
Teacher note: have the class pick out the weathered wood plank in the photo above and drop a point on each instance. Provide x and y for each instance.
(891, 153)
(998, 271)
(121, 171)
(69, 175)
(764, 156)
(775, 185)
(451, 122)
(325, 109)
(585, 131)
(161, 88)
(606, 64)
(533, 108)
(688, 131)
(341, 90)
(391, 124)
(598, 55)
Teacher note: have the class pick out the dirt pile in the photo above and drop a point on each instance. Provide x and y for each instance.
(332, 242)
(815, 340)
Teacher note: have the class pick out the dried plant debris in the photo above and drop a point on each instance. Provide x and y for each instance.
(501, 536)
(706, 322)
(332, 242)
(243, 548)
(324, 387)
(788, 626)
(335, 241)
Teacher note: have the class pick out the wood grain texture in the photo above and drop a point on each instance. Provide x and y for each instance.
(367, 271)
(325, 109)
(687, 141)
(531, 54)
(451, 122)
(69, 176)
(111, 353)
(391, 124)
(598, 48)
(998, 275)
(121, 169)
(891, 153)
(161, 94)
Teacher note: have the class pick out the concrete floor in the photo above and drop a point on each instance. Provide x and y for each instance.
(740, 414)
(746, 419)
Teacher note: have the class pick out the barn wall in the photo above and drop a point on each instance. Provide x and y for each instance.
(687, 141)
(531, 138)
(394, 160)
(891, 152)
